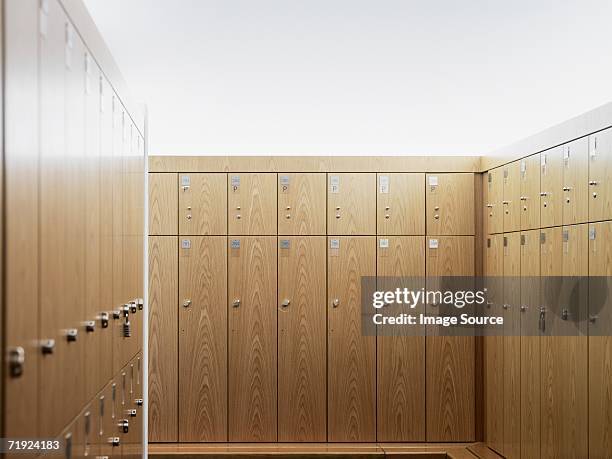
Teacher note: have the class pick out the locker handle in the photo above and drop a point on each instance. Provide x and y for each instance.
(593, 318)
(506, 202)
(236, 303)
(490, 206)
(336, 303)
(593, 182)
(542, 320)
(285, 303)
(567, 188)
(48, 346)
(524, 307)
(523, 198)
(72, 334)
(90, 326)
(186, 303)
(544, 193)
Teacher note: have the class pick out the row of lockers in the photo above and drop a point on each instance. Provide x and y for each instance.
(258, 338)
(564, 185)
(549, 396)
(311, 204)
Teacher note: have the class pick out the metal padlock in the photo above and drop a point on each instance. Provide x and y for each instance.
(127, 329)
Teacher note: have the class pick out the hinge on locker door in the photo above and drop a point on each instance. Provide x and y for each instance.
(16, 360)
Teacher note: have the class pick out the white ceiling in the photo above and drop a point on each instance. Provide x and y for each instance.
(357, 76)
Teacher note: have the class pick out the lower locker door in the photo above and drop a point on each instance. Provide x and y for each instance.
(252, 317)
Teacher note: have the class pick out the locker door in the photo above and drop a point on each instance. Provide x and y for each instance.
(512, 345)
(301, 204)
(401, 204)
(401, 359)
(252, 204)
(511, 204)
(203, 326)
(302, 322)
(450, 204)
(351, 356)
(494, 345)
(551, 186)
(575, 181)
(600, 170)
(163, 199)
(351, 204)
(530, 192)
(163, 339)
(449, 360)
(493, 198)
(600, 341)
(530, 344)
(203, 204)
(252, 341)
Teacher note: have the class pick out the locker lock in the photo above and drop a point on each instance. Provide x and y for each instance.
(505, 306)
(104, 319)
(567, 188)
(338, 215)
(565, 314)
(116, 314)
(48, 346)
(126, 329)
(133, 307)
(125, 309)
(436, 208)
(436, 216)
(16, 359)
(140, 302)
(90, 326)
(490, 206)
(114, 441)
(523, 198)
(72, 334)
(186, 303)
(131, 413)
(285, 303)
(387, 207)
(124, 426)
(288, 216)
(387, 216)
(336, 303)
(593, 318)
(138, 402)
(544, 193)
(188, 217)
(236, 303)
(542, 320)
(524, 307)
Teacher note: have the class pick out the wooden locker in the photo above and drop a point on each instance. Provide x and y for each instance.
(401, 359)
(450, 359)
(252, 376)
(493, 192)
(401, 204)
(576, 181)
(252, 204)
(530, 192)
(600, 170)
(494, 345)
(203, 326)
(163, 338)
(203, 204)
(351, 204)
(351, 355)
(530, 344)
(600, 341)
(301, 204)
(450, 204)
(551, 187)
(163, 201)
(21, 208)
(511, 203)
(302, 328)
(512, 345)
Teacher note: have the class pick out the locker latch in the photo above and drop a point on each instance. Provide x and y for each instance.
(131, 413)
(90, 326)
(565, 314)
(48, 346)
(114, 441)
(138, 402)
(186, 303)
(16, 360)
(104, 319)
(336, 303)
(140, 303)
(124, 426)
(133, 307)
(236, 303)
(285, 303)
(72, 334)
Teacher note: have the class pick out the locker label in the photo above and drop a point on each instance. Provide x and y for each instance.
(490, 177)
(284, 182)
(185, 244)
(285, 243)
(565, 235)
(383, 184)
(433, 181)
(185, 180)
(566, 155)
(593, 148)
(505, 173)
(523, 239)
(235, 243)
(334, 243)
(433, 243)
(542, 238)
(334, 184)
(592, 233)
(523, 166)
(543, 163)
(235, 183)
(384, 243)
(488, 243)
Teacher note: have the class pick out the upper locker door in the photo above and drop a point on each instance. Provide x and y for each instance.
(511, 204)
(401, 204)
(449, 359)
(493, 197)
(252, 339)
(551, 186)
(400, 359)
(600, 339)
(302, 322)
(203, 204)
(252, 204)
(351, 202)
(203, 326)
(450, 204)
(600, 171)
(530, 192)
(301, 204)
(576, 182)
(163, 199)
(351, 355)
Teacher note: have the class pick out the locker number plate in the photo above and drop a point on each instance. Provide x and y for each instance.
(284, 183)
(185, 180)
(334, 184)
(334, 243)
(185, 244)
(384, 243)
(235, 183)
(433, 243)
(383, 184)
(235, 244)
(285, 243)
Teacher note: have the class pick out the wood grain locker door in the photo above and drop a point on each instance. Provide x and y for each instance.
(600, 171)
(301, 204)
(511, 203)
(493, 197)
(401, 359)
(576, 181)
(600, 341)
(351, 204)
(450, 359)
(203, 338)
(450, 204)
(21, 207)
(302, 328)
(163, 202)
(512, 345)
(203, 204)
(163, 338)
(551, 187)
(252, 204)
(530, 192)
(351, 356)
(252, 316)
(530, 344)
(494, 345)
(401, 204)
